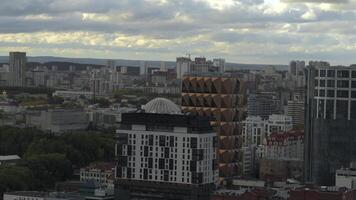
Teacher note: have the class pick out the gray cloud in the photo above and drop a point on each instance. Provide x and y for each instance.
(318, 1)
(176, 26)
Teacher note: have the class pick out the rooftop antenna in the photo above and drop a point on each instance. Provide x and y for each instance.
(188, 54)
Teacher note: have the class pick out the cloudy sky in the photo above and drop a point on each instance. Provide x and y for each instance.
(245, 31)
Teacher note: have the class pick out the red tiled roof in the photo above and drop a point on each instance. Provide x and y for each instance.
(291, 135)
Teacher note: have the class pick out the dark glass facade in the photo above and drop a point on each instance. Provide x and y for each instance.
(330, 126)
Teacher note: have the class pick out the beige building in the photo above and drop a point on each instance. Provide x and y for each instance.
(102, 173)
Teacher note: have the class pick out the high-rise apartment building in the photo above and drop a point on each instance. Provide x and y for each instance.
(297, 72)
(295, 109)
(219, 63)
(143, 68)
(17, 68)
(39, 76)
(253, 131)
(163, 66)
(200, 65)
(330, 136)
(111, 64)
(182, 66)
(219, 97)
(165, 155)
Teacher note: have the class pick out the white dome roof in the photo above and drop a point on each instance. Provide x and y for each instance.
(161, 106)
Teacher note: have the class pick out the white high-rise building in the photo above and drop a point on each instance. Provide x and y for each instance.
(182, 66)
(253, 131)
(163, 66)
(160, 148)
(111, 64)
(143, 68)
(17, 66)
(220, 64)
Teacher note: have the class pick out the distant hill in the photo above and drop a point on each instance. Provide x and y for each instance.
(123, 62)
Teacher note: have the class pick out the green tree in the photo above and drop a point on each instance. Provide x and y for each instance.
(15, 178)
(49, 168)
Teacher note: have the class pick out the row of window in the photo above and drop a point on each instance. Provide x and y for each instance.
(338, 73)
(326, 109)
(339, 93)
(339, 83)
(185, 139)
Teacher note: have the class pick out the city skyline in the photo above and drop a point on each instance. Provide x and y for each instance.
(243, 31)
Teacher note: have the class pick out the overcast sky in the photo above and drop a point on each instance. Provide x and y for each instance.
(245, 31)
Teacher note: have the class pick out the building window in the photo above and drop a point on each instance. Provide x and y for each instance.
(343, 84)
(331, 73)
(321, 109)
(322, 73)
(353, 84)
(343, 94)
(343, 73)
(322, 83)
(329, 112)
(353, 94)
(321, 93)
(331, 83)
(341, 109)
(353, 110)
(331, 93)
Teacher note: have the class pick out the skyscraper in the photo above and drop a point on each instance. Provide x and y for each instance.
(296, 70)
(330, 136)
(17, 62)
(143, 68)
(182, 66)
(219, 97)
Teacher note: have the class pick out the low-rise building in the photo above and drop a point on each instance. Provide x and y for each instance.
(108, 117)
(102, 173)
(281, 170)
(247, 183)
(278, 123)
(9, 160)
(73, 95)
(34, 195)
(285, 145)
(316, 193)
(58, 121)
(346, 177)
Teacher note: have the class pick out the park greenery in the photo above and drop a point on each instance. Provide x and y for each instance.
(47, 158)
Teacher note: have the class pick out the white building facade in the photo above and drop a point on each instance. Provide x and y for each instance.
(278, 123)
(162, 148)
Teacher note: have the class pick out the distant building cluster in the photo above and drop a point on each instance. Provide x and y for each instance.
(199, 129)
